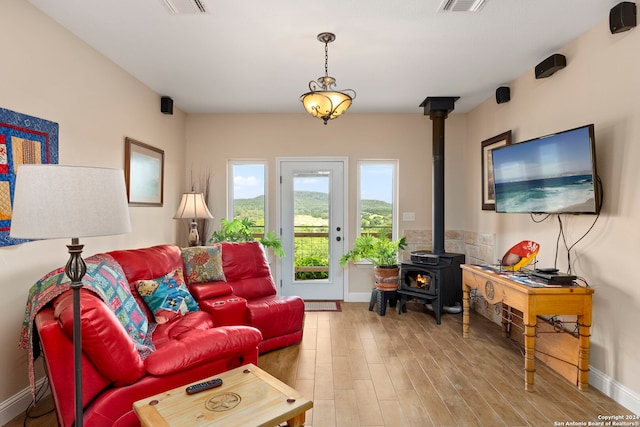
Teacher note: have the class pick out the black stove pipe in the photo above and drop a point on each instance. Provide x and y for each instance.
(437, 118)
(438, 108)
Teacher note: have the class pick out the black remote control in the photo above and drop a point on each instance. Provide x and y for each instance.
(197, 388)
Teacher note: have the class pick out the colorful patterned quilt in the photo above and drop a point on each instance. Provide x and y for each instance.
(106, 279)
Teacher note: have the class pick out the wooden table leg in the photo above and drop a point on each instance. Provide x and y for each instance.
(297, 421)
(530, 350)
(584, 331)
(506, 320)
(465, 311)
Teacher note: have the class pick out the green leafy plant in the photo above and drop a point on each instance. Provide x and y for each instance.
(312, 261)
(240, 230)
(379, 251)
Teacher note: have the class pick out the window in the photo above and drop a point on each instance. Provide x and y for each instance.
(247, 192)
(377, 197)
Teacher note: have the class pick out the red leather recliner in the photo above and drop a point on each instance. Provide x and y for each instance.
(249, 297)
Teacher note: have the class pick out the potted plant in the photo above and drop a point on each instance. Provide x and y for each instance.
(382, 252)
(240, 230)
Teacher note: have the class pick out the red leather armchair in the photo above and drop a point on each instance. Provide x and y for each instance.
(249, 297)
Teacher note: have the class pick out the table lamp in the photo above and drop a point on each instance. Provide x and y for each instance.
(56, 201)
(193, 207)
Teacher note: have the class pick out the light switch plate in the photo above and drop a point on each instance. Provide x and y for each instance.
(408, 216)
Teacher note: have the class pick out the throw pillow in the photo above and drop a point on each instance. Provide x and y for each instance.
(203, 263)
(167, 297)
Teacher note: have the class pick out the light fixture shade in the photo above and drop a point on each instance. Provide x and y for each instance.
(323, 100)
(57, 201)
(192, 206)
(326, 104)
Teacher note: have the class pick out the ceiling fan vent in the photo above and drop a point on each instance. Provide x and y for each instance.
(182, 7)
(462, 5)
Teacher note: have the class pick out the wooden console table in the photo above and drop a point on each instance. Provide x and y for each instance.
(532, 301)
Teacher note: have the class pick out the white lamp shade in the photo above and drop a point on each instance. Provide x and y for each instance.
(192, 206)
(56, 201)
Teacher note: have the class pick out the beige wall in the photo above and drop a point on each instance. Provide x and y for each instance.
(600, 85)
(214, 139)
(48, 73)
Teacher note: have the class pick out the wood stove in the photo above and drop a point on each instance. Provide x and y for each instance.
(439, 283)
(434, 276)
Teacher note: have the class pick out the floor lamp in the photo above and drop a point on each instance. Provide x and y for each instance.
(54, 202)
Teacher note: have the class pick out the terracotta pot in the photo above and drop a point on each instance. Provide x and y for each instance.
(387, 278)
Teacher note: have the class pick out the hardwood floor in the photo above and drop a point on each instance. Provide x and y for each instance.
(362, 369)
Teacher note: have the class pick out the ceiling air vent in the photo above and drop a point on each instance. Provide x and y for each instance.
(462, 5)
(182, 7)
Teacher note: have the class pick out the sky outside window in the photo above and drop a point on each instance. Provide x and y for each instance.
(248, 181)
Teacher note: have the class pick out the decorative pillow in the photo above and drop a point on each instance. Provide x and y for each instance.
(203, 263)
(167, 297)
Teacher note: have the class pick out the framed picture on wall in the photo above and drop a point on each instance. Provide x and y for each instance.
(488, 184)
(143, 173)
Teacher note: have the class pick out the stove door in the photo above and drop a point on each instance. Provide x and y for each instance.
(419, 280)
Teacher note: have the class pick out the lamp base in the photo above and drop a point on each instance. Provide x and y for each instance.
(194, 236)
(75, 270)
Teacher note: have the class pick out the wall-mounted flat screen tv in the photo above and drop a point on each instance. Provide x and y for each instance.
(551, 174)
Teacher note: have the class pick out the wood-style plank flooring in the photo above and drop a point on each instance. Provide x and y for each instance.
(361, 369)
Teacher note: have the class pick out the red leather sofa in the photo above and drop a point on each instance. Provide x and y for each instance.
(236, 318)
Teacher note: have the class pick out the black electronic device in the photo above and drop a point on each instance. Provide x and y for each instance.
(166, 105)
(206, 385)
(622, 17)
(503, 94)
(549, 270)
(550, 174)
(549, 66)
(555, 278)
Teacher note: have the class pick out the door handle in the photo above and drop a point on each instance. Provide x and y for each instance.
(338, 238)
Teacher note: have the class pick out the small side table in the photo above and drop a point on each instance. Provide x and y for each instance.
(248, 396)
(380, 298)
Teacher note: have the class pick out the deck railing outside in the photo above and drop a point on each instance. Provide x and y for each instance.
(311, 247)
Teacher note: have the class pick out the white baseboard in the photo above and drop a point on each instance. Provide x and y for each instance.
(18, 403)
(616, 391)
(359, 297)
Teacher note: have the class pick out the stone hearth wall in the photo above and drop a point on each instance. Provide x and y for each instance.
(480, 249)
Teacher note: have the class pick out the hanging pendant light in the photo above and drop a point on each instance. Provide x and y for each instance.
(323, 100)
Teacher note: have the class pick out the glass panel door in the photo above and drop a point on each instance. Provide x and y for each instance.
(312, 229)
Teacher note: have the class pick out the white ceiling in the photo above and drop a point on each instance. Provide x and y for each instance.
(258, 56)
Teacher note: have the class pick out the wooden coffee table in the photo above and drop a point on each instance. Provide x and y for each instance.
(248, 397)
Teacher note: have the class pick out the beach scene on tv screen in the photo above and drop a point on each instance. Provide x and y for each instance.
(551, 175)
